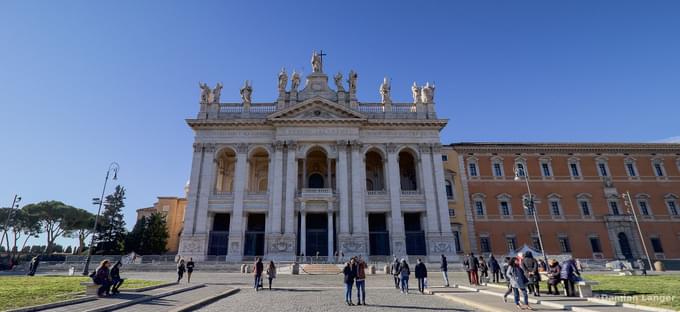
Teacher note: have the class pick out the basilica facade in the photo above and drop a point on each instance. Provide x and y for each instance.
(317, 172)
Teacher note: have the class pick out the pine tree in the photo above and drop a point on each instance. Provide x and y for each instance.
(111, 228)
(156, 234)
(134, 240)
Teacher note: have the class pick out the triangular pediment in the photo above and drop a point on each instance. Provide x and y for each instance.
(317, 109)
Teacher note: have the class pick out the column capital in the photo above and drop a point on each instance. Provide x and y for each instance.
(424, 148)
(391, 147)
(341, 145)
(198, 147)
(291, 144)
(436, 148)
(356, 145)
(278, 145)
(242, 148)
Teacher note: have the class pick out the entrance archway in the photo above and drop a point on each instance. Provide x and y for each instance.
(625, 246)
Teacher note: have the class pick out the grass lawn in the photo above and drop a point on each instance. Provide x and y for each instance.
(657, 290)
(21, 291)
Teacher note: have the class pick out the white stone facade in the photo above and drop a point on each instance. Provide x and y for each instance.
(316, 170)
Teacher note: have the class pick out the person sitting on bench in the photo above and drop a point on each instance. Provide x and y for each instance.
(116, 281)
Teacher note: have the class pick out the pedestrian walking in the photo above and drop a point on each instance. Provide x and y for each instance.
(421, 275)
(190, 269)
(518, 281)
(641, 266)
(395, 272)
(404, 272)
(258, 267)
(466, 267)
(33, 266)
(271, 273)
(569, 275)
(484, 269)
(361, 281)
(102, 277)
(508, 291)
(474, 269)
(554, 279)
(181, 268)
(495, 269)
(444, 266)
(530, 267)
(349, 271)
(116, 280)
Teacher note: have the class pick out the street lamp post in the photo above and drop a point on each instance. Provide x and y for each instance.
(529, 204)
(629, 203)
(99, 201)
(15, 204)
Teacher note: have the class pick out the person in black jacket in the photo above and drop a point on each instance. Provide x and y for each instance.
(395, 272)
(495, 269)
(181, 268)
(421, 275)
(190, 269)
(445, 270)
(116, 281)
(350, 273)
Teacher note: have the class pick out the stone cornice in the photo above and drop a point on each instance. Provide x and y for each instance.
(363, 123)
(604, 148)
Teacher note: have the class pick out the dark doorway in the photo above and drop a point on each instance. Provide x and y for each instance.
(218, 241)
(317, 234)
(254, 238)
(315, 181)
(378, 236)
(415, 236)
(625, 246)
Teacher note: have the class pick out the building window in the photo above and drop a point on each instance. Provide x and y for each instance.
(449, 190)
(456, 241)
(658, 169)
(595, 245)
(644, 209)
(602, 169)
(564, 245)
(614, 207)
(545, 169)
(536, 243)
(505, 208)
(472, 169)
(452, 212)
(672, 207)
(485, 244)
(445, 157)
(574, 170)
(479, 207)
(511, 243)
(656, 245)
(585, 207)
(497, 170)
(555, 208)
(521, 171)
(630, 167)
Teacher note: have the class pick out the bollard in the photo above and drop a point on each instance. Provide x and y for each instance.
(295, 269)
(659, 267)
(371, 269)
(387, 269)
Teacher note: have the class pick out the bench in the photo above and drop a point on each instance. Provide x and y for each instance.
(90, 288)
(626, 272)
(585, 289)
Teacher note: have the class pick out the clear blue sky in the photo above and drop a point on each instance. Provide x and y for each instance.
(85, 83)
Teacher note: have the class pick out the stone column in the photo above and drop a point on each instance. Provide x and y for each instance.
(206, 188)
(440, 188)
(291, 187)
(398, 236)
(342, 182)
(303, 229)
(330, 229)
(358, 186)
(236, 224)
(428, 189)
(192, 243)
(277, 188)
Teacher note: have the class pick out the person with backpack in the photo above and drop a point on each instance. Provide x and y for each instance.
(421, 275)
(116, 280)
(444, 266)
(102, 278)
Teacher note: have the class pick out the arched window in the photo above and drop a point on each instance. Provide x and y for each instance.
(226, 162)
(375, 177)
(258, 177)
(407, 170)
(315, 181)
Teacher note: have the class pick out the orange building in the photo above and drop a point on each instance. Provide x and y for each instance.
(173, 208)
(578, 193)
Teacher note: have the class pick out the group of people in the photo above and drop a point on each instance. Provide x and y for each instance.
(108, 278)
(354, 273)
(401, 272)
(258, 270)
(187, 267)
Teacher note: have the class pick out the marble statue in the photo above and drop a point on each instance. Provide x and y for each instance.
(338, 81)
(205, 92)
(283, 80)
(416, 91)
(428, 93)
(246, 92)
(352, 81)
(295, 82)
(216, 92)
(317, 65)
(385, 91)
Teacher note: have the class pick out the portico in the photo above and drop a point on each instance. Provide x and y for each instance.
(315, 173)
